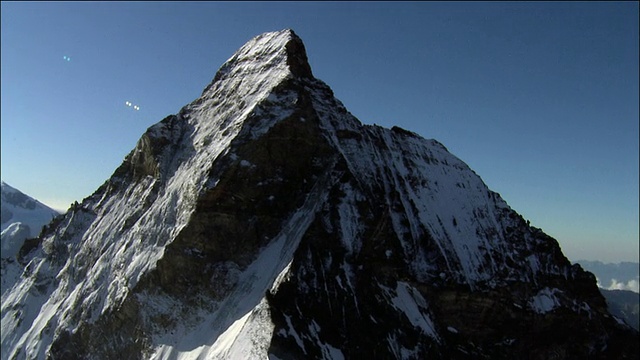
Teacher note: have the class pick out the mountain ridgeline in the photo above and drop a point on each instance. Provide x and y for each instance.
(263, 220)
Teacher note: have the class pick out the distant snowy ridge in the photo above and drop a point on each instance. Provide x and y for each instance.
(22, 217)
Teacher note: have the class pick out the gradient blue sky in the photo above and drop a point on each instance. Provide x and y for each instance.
(540, 99)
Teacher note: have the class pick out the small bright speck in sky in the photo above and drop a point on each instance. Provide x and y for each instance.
(538, 98)
(135, 107)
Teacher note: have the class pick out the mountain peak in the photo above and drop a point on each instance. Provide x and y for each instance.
(282, 50)
(297, 56)
(266, 221)
(277, 43)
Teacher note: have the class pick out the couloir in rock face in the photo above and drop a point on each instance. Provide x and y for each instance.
(265, 221)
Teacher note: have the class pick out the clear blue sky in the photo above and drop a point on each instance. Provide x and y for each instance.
(539, 98)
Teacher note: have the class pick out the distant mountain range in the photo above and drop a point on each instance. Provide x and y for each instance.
(620, 276)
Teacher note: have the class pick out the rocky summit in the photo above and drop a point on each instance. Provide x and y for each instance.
(263, 220)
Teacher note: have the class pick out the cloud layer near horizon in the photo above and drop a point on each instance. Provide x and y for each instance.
(631, 285)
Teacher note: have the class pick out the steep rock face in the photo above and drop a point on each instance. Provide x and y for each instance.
(264, 220)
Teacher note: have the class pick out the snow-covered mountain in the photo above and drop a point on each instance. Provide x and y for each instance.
(22, 217)
(263, 220)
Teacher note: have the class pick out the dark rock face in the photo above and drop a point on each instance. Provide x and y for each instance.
(358, 301)
(265, 220)
(297, 58)
(246, 208)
